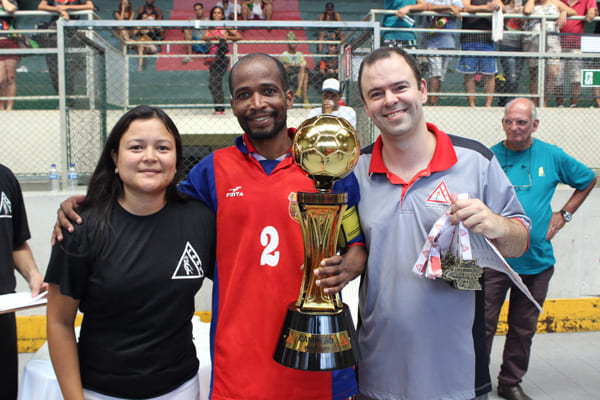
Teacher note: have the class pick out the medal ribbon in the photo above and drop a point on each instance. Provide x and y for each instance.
(443, 237)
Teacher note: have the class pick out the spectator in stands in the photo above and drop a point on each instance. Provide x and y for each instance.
(511, 66)
(124, 13)
(570, 41)
(8, 62)
(152, 13)
(329, 15)
(438, 65)
(332, 95)
(596, 65)
(195, 34)
(257, 9)
(405, 38)
(75, 62)
(545, 8)
(62, 7)
(145, 34)
(218, 64)
(328, 66)
(229, 9)
(470, 66)
(295, 65)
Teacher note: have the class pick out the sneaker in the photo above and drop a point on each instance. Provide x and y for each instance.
(573, 106)
(187, 59)
(219, 112)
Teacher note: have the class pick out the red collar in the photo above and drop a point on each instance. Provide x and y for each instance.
(444, 157)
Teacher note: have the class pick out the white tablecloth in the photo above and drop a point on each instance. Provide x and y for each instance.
(38, 381)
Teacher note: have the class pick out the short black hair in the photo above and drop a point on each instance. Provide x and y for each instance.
(386, 52)
(198, 4)
(283, 76)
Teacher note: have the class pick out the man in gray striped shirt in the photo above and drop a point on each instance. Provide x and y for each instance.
(421, 339)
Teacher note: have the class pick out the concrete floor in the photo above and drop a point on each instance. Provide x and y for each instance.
(564, 366)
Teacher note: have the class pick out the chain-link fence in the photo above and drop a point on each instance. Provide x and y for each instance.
(55, 120)
(161, 65)
(112, 66)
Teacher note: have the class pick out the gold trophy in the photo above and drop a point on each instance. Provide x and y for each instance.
(318, 333)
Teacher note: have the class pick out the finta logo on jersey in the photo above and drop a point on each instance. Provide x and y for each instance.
(189, 265)
(234, 192)
(440, 195)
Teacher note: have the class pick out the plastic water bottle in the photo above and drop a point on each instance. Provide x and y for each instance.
(54, 179)
(73, 178)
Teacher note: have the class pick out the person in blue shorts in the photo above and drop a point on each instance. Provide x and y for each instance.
(471, 66)
(195, 34)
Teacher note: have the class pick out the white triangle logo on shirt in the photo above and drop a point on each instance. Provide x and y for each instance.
(440, 195)
(189, 265)
(5, 206)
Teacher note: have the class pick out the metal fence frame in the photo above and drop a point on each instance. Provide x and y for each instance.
(361, 38)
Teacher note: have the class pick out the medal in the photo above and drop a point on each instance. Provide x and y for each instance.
(461, 274)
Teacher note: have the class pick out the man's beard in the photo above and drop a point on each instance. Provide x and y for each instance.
(266, 135)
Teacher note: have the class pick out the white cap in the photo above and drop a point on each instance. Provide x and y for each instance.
(331, 84)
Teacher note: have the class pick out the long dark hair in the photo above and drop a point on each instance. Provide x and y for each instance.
(128, 10)
(105, 186)
(210, 16)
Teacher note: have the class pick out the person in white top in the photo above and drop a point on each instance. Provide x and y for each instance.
(332, 94)
(230, 9)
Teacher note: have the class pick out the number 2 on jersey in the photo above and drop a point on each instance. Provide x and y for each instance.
(269, 239)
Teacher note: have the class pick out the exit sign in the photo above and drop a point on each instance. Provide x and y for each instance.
(590, 78)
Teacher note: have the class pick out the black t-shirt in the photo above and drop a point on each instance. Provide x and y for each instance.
(14, 230)
(477, 23)
(137, 296)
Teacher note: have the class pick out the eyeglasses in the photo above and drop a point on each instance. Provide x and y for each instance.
(525, 170)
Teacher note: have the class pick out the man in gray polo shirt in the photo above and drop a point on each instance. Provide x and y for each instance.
(421, 339)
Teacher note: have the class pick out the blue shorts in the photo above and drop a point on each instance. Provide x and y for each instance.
(474, 64)
(200, 48)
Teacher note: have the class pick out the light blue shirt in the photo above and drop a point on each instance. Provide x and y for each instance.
(391, 21)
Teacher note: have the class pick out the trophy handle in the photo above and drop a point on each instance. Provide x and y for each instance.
(320, 219)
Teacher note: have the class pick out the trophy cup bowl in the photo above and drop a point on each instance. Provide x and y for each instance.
(318, 333)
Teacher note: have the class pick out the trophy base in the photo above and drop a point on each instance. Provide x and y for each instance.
(313, 341)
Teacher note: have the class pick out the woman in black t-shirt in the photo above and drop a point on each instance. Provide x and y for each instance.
(133, 268)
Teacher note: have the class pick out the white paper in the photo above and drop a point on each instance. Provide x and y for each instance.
(590, 44)
(17, 301)
(497, 25)
(488, 256)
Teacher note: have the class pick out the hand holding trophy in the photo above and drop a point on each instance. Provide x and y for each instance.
(318, 333)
